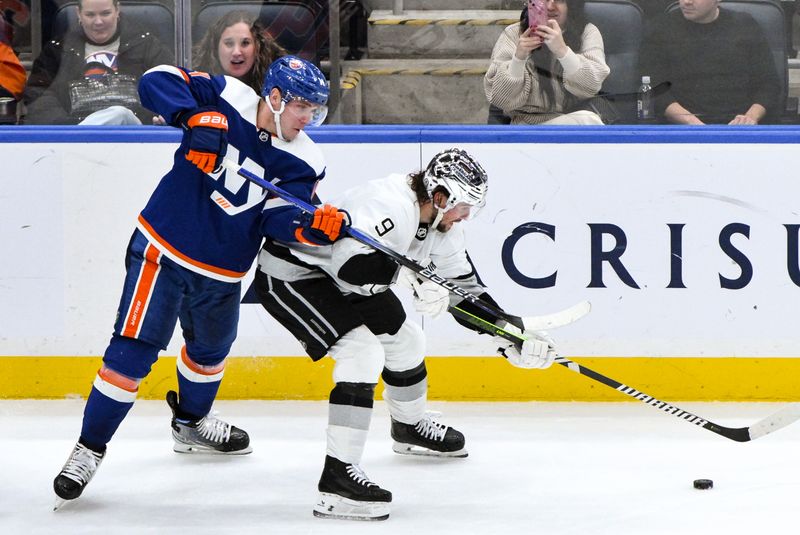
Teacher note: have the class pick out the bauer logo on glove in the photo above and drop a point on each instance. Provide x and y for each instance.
(206, 138)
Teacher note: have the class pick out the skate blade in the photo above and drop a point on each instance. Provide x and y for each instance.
(205, 450)
(411, 449)
(334, 506)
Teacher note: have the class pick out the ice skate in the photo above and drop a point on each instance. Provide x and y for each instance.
(347, 493)
(76, 474)
(427, 437)
(206, 435)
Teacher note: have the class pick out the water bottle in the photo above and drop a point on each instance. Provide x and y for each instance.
(644, 102)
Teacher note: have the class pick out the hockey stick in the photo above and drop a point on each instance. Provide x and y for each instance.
(566, 316)
(765, 426)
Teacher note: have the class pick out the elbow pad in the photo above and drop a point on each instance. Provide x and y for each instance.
(371, 268)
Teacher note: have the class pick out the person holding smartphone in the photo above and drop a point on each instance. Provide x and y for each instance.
(545, 65)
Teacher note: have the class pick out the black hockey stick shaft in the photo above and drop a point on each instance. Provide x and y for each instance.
(369, 241)
(742, 434)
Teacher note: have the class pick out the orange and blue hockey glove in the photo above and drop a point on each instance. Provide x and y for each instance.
(324, 227)
(207, 138)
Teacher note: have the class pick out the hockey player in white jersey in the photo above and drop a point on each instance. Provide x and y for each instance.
(337, 301)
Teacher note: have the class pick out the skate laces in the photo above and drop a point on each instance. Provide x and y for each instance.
(214, 430)
(430, 428)
(359, 476)
(82, 464)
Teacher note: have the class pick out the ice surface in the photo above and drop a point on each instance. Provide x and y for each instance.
(533, 468)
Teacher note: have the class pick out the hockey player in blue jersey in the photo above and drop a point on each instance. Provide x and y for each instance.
(196, 238)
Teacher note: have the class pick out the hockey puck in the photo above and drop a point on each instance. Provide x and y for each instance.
(703, 484)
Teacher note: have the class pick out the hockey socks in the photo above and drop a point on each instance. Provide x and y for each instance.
(349, 415)
(111, 398)
(198, 385)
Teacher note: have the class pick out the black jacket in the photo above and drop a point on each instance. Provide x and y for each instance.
(62, 61)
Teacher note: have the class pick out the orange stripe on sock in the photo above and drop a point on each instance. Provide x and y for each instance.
(118, 380)
(199, 368)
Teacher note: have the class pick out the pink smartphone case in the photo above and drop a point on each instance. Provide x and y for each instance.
(537, 13)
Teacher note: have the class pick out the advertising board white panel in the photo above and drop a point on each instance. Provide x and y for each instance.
(683, 249)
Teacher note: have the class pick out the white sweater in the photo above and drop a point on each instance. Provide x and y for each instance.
(512, 85)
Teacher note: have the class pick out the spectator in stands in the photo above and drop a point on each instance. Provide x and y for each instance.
(718, 63)
(239, 46)
(541, 75)
(12, 73)
(90, 75)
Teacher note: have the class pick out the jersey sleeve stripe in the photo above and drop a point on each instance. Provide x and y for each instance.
(171, 70)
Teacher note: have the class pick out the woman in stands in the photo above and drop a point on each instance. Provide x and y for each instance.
(89, 75)
(237, 45)
(544, 73)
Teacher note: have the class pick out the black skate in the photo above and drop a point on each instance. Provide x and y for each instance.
(427, 437)
(347, 493)
(76, 474)
(206, 435)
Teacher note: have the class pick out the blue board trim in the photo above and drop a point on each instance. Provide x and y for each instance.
(432, 134)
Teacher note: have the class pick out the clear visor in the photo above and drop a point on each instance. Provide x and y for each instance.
(311, 114)
(463, 211)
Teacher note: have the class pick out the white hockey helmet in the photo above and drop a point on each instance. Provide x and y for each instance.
(462, 177)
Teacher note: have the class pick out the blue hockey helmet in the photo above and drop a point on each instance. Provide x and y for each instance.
(298, 79)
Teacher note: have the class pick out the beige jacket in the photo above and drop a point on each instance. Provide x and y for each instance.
(512, 85)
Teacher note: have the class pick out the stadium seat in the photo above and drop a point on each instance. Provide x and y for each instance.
(621, 23)
(155, 18)
(292, 24)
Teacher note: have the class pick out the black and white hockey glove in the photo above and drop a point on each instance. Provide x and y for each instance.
(430, 299)
(538, 350)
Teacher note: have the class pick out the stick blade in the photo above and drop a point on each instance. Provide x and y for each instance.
(557, 319)
(773, 422)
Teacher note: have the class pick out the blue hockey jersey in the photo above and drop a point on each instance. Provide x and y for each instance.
(213, 223)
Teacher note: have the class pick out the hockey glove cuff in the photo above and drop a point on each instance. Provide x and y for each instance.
(206, 137)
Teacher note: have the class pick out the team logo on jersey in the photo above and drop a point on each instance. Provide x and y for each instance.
(422, 232)
(100, 64)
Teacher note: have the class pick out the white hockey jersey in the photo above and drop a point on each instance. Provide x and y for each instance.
(386, 209)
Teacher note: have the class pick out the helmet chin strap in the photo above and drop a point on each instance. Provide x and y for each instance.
(439, 215)
(277, 115)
